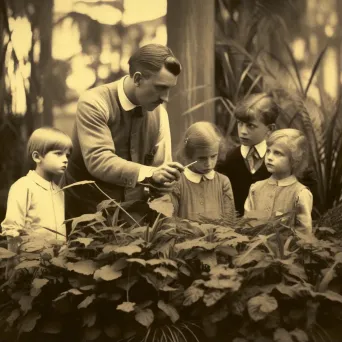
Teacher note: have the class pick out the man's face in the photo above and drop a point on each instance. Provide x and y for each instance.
(153, 91)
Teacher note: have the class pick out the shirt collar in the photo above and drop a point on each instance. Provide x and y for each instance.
(283, 182)
(261, 149)
(196, 177)
(126, 104)
(39, 180)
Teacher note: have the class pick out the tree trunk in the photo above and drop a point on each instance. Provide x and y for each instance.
(190, 29)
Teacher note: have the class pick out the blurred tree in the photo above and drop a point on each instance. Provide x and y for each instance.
(190, 29)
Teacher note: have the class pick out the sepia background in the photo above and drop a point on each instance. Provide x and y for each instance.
(52, 51)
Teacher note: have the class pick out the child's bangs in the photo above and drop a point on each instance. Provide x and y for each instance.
(245, 116)
(58, 142)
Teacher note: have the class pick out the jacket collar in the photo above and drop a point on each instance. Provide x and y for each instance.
(196, 177)
(261, 149)
(283, 182)
(39, 180)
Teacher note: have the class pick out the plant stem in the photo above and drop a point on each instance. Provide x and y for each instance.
(116, 203)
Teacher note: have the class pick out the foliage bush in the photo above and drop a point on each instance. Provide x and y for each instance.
(173, 281)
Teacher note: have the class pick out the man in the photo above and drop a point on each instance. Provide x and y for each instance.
(122, 135)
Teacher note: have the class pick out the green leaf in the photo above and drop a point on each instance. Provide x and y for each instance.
(145, 317)
(169, 310)
(29, 321)
(192, 294)
(28, 264)
(36, 286)
(126, 306)
(331, 295)
(84, 241)
(51, 327)
(6, 254)
(162, 205)
(98, 217)
(58, 262)
(128, 250)
(87, 267)
(86, 302)
(25, 303)
(260, 306)
(33, 246)
(282, 335)
(107, 273)
(137, 260)
(244, 259)
(92, 333)
(300, 335)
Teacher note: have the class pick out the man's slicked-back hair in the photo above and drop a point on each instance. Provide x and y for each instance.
(149, 59)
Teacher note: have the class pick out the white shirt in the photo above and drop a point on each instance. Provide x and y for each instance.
(260, 148)
(33, 205)
(163, 153)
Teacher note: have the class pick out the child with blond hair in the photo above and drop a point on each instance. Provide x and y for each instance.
(286, 158)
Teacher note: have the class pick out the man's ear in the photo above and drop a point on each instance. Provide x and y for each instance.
(36, 157)
(137, 78)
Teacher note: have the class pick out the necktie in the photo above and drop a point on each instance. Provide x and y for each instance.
(252, 159)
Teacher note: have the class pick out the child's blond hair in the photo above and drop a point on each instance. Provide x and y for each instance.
(295, 142)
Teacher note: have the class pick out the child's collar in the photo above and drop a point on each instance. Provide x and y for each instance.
(39, 180)
(196, 177)
(261, 149)
(283, 182)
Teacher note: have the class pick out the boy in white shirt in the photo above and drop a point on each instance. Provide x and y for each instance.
(35, 203)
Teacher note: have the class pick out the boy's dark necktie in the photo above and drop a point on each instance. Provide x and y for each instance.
(253, 159)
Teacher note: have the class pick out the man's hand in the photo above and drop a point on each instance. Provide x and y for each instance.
(167, 173)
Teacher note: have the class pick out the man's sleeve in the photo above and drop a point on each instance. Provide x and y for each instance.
(97, 145)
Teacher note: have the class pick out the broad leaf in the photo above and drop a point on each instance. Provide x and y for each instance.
(33, 246)
(128, 250)
(92, 333)
(89, 318)
(107, 273)
(98, 217)
(216, 283)
(84, 241)
(282, 335)
(137, 260)
(145, 317)
(213, 297)
(160, 261)
(169, 310)
(126, 306)
(192, 294)
(162, 205)
(86, 302)
(29, 321)
(165, 272)
(6, 254)
(86, 267)
(28, 264)
(25, 303)
(251, 256)
(13, 317)
(58, 262)
(260, 306)
(51, 327)
(299, 335)
(36, 286)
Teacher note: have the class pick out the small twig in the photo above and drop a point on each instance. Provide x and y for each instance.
(190, 164)
(116, 203)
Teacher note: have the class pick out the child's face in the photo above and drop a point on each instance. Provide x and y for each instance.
(206, 159)
(277, 161)
(54, 163)
(253, 132)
